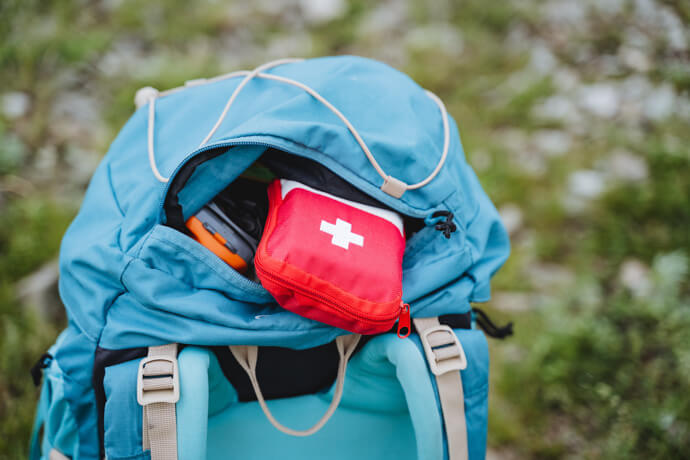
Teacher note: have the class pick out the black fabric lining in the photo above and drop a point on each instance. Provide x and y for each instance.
(315, 175)
(173, 210)
(284, 372)
(284, 165)
(105, 358)
(319, 177)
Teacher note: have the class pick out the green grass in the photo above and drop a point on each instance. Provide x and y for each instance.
(595, 369)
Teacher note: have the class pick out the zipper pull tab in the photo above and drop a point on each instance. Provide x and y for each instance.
(404, 328)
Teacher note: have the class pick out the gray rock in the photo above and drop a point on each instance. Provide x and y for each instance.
(557, 108)
(683, 107)
(511, 216)
(676, 31)
(586, 183)
(296, 44)
(39, 290)
(635, 276)
(322, 11)
(82, 164)
(545, 276)
(645, 9)
(626, 166)
(46, 161)
(600, 99)
(583, 186)
(15, 104)
(124, 58)
(386, 18)
(514, 302)
(542, 60)
(438, 36)
(552, 142)
(77, 106)
(480, 160)
(659, 104)
(565, 13)
(635, 59)
(610, 7)
(565, 79)
(523, 156)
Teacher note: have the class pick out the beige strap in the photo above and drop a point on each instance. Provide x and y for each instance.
(158, 390)
(57, 455)
(247, 355)
(446, 358)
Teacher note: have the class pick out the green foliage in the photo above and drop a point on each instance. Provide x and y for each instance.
(599, 367)
(609, 372)
(642, 219)
(33, 237)
(606, 374)
(23, 338)
(29, 237)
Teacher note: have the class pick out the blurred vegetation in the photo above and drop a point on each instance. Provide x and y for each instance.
(574, 114)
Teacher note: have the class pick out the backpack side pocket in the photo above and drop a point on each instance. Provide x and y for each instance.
(54, 415)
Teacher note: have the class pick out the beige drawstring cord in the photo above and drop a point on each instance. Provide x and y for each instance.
(391, 185)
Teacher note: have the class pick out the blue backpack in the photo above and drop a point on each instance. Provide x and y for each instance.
(171, 353)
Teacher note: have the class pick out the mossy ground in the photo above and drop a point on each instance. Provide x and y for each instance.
(574, 114)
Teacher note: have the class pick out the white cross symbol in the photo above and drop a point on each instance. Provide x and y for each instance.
(342, 233)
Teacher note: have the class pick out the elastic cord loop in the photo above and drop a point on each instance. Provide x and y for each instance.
(399, 186)
(246, 356)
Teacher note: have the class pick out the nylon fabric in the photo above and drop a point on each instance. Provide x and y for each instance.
(128, 280)
(129, 259)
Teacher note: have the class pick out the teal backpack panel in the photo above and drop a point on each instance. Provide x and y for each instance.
(128, 280)
(387, 410)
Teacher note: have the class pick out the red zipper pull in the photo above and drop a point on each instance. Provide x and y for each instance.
(404, 328)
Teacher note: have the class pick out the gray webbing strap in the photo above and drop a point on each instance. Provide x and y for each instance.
(158, 390)
(247, 356)
(446, 357)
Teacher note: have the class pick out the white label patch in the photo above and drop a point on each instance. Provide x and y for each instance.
(342, 233)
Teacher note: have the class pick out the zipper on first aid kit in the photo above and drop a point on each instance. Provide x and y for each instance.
(404, 326)
(328, 301)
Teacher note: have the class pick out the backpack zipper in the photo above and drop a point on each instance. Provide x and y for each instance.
(228, 144)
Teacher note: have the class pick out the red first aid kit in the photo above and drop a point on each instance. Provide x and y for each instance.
(333, 260)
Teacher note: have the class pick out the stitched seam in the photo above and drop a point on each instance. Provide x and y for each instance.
(112, 188)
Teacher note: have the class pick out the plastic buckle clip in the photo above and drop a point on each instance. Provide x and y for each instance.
(443, 350)
(160, 383)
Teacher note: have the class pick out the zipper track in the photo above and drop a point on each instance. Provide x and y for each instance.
(228, 144)
(308, 293)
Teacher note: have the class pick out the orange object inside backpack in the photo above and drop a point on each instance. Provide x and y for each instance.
(216, 244)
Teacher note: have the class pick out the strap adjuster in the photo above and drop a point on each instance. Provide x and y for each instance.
(443, 350)
(158, 380)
